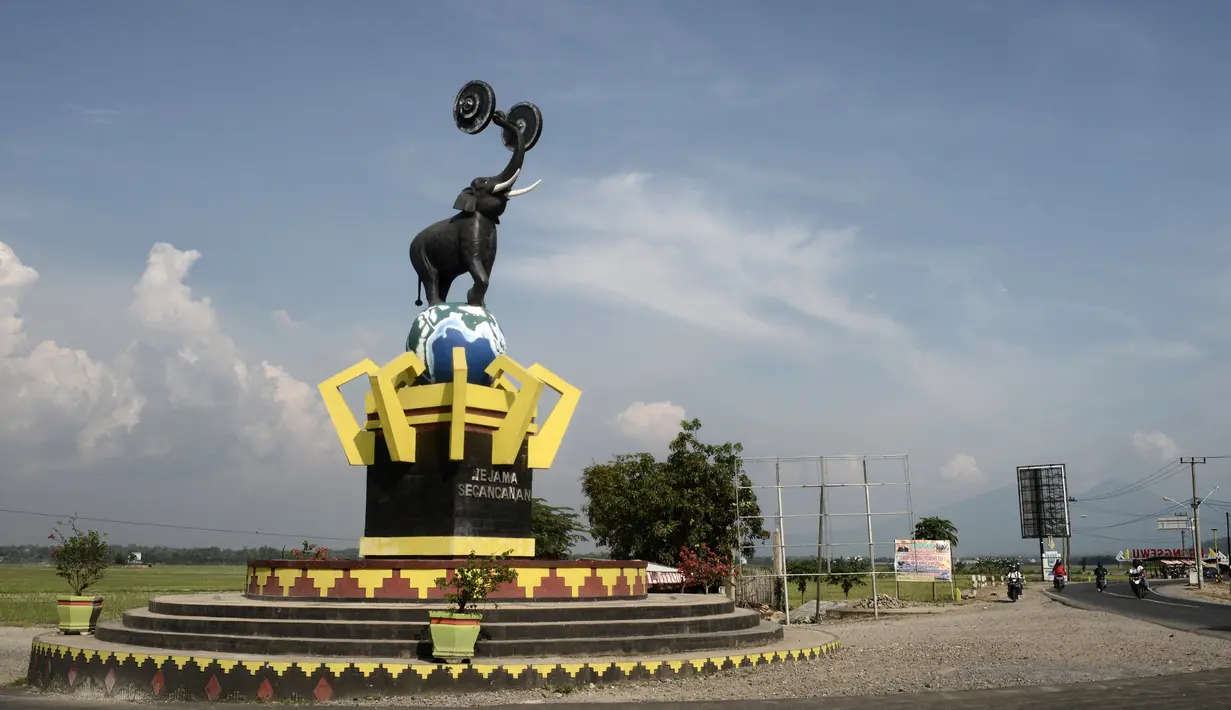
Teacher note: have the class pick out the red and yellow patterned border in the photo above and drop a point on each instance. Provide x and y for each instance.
(402, 580)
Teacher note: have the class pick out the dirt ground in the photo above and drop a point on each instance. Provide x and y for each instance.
(979, 644)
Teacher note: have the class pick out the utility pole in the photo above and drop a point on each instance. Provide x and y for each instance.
(1192, 467)
(1183, 539)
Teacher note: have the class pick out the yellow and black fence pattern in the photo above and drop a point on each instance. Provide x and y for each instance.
(56, 665)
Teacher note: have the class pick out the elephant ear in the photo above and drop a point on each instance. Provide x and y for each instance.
(465, 201)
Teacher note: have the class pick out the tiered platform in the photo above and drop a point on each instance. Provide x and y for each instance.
(234, 624)
(231, 647)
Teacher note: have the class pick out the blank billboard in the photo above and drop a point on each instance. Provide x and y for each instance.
(1043, 496)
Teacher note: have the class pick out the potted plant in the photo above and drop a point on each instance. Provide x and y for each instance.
(81, 559)
(454, 633)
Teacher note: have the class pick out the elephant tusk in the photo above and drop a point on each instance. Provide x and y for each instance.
(524, 190)
(501, 187)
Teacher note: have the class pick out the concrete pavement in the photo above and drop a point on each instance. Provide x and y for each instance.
(1211, 687)
(1204, 618)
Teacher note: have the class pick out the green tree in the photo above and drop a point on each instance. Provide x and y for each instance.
(646, 509)
(934, 528)
(803, 567)
(847, 574)
(556, 530)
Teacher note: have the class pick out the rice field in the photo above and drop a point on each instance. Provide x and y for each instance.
(28, 592)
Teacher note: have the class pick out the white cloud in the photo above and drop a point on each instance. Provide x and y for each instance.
(1155, 444)
(284, 321)
(651, 423)
(49, 389)
(663, 246)
(962, 468)
(180, 362)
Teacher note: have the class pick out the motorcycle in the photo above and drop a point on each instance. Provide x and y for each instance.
(1015, 589)
(1100, 583)
(1058, 582)
(1138, 583)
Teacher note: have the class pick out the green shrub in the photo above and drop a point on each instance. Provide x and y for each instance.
(81, 558)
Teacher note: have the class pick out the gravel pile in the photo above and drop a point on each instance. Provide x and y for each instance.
(884, 601)
(812, 612)
(964, 647)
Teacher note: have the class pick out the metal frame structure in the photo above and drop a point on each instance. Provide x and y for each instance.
(824, 547)
(1043, 499)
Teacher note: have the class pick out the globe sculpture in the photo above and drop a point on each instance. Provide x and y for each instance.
(440, 328)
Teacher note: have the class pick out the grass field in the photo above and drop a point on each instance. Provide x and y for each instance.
(28, 593)
(906, 591)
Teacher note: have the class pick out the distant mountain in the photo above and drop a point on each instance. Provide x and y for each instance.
(989, 524)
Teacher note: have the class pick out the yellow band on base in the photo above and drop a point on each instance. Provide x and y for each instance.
(444, 546)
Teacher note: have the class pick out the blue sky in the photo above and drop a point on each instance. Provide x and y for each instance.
(981, 234)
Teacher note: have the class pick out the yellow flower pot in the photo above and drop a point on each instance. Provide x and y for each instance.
(78, 615)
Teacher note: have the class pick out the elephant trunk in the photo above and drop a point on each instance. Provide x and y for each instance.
(508, 176)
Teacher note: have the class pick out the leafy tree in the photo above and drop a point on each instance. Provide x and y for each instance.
(556, 530)
(802, 566)
(646, 509)
(846, 573)
(934, 528)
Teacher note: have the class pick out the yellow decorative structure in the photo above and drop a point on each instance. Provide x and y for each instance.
(503, 406)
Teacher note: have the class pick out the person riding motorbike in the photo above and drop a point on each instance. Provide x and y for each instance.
(1059, 571)
(1138, 569)
(1014, 580)
(1100, 577)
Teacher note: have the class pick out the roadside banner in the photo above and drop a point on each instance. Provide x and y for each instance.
(1050, 558)
(923, 560)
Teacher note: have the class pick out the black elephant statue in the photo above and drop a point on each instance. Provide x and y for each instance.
(466, 242)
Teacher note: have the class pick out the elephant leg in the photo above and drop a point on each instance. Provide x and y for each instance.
(431, 285)
(477, 294)
(445, 283)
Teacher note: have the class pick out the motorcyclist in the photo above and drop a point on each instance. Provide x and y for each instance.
(1100, 576)
(1014, 579)
(1137, 568)
(1059, 571)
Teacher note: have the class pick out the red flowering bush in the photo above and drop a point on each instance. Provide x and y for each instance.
(703, 567)
(310, 551)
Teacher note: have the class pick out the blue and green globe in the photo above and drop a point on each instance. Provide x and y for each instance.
(440, 328)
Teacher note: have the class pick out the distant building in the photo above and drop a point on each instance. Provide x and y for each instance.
(134, 558)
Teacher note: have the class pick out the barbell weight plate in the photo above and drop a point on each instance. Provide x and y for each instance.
(529, 120)
(474, 106)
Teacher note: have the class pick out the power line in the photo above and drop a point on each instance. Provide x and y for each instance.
(1126, 522)
(177, 527)
(1152, 541)
(1158, 476)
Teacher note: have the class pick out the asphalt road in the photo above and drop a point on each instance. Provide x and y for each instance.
(1205, 618)
(1209, 688)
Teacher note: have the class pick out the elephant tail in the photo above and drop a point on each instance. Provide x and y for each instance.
(419, 294)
